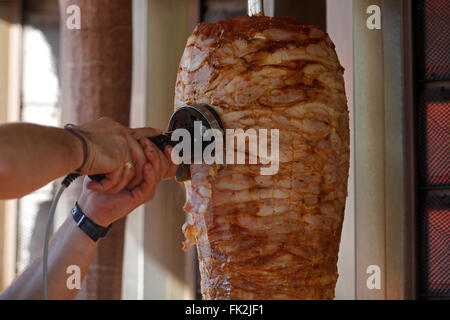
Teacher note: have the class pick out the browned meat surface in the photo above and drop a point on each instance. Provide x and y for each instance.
(269, 237)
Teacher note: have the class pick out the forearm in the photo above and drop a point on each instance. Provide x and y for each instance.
(31, 156)
(69, 247)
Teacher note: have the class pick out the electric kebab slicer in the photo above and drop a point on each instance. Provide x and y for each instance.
(185, 118)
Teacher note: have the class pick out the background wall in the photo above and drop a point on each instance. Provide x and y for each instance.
(307, 11)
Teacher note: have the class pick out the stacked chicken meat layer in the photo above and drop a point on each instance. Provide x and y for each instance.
(276, 236)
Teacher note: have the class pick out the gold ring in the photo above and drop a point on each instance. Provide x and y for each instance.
(129, 165)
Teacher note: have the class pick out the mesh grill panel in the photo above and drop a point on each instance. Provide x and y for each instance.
(433, 32)
(435, 249)
(432, 38)
(434, 133)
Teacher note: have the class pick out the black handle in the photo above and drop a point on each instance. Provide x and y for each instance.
(161, 141)
(98, 177)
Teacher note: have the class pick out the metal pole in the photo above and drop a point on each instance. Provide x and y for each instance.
(255, 8)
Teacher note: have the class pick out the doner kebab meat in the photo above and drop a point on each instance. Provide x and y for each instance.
(269, 236)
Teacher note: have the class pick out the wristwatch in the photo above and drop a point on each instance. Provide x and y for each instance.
(94, 231)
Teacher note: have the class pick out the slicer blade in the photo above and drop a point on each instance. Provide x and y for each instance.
(184, 118)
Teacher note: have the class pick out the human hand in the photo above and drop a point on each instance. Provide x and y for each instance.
(111, 145)
(141, 135)
(104, 208)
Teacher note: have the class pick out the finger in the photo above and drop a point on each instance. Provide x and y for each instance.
(172, 166)
(139, 159)
(142, 142)
(127, 176)
(94, 186)
(107, 184)
(118, 180)
(146, 190)
(168, 153)
(165, 165)
(151, 152)
(152, 180)
(145, 132)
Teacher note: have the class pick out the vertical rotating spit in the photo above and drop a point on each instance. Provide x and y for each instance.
(255, 8)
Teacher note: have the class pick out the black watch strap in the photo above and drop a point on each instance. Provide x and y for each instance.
(94, 231)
